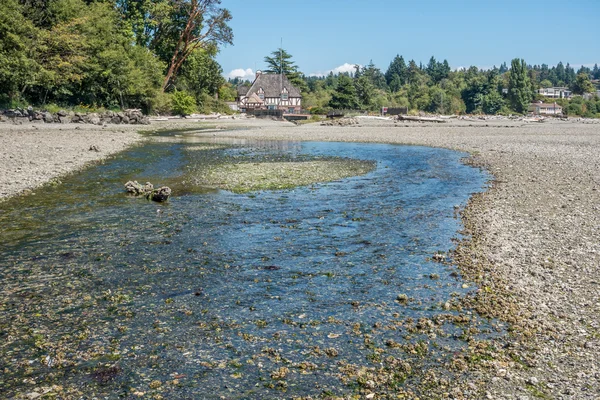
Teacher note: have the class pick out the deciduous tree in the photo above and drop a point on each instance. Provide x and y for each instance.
(201, 23)
(582, 84)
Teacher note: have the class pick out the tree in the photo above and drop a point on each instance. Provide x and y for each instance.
(280, 62)
(344, 96)
(201, 74)
(397, 71)
(18, 65)
(503, 68)
(582, 84)
(365, 91)
(374, 75)
(202, 23)
(519, 90)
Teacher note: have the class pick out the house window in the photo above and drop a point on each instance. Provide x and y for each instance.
(284, 96)
(261, 96)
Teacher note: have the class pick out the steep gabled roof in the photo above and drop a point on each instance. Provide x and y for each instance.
(271, 85)
(254, 99)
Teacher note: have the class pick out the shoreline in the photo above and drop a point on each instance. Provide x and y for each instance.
(533, 249)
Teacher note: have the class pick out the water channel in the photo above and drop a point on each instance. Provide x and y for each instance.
(268, 294)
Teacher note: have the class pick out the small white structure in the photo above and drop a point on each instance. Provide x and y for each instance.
(556, 92)
(545, 109)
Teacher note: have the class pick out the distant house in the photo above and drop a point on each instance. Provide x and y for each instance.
(556, 92)
(545, 109)
(270, 92)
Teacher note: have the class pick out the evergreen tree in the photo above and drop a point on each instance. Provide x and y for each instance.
(503, 68)
(570, 75)
(397, 69)
(280, 61)
(561, 76)
(344, 96)
(519, 89)
(365, 91)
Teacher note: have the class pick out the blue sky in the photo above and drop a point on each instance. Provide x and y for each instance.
(325, 35)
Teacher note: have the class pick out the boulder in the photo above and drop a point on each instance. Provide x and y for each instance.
(161, 194)
(48, 117)
(137, 189)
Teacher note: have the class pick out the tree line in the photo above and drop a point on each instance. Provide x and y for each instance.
(436, 88)
(148, 54)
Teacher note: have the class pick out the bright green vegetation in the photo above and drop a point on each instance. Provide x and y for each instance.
(246, 177)
(113, 54)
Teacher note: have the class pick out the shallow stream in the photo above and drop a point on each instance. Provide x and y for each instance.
(213, 294)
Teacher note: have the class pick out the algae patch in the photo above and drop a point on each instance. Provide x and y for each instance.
(247, 176)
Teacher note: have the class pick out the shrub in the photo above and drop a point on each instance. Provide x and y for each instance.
(209, 104)
(183, 103)
(160, 104)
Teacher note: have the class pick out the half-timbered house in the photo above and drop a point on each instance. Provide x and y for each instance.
(270, 92)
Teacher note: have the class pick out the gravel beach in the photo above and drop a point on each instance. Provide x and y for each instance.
(535, 233)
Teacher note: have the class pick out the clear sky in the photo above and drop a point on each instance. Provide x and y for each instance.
(323, 35)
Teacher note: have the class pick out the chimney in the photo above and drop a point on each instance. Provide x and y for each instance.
(258, 73)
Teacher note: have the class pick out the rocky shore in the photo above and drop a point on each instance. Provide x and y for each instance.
(534, 251)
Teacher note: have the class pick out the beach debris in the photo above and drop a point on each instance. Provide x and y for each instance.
(340, 122)
(420, 119)
(137, 189)
(95, 148)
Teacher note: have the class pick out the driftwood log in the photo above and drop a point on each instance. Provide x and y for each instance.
(420, 119)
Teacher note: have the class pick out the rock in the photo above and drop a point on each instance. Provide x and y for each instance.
(532, 380)
(125, 119)
(94, 148)
(115, 120)
(135, 188)
(48, 117)
(93, 118)
(161, 194)
(62, 113)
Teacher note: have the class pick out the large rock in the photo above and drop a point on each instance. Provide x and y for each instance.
(161, 194)
(137, 189)
(48, 117)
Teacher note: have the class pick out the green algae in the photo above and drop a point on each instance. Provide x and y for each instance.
(248, 176)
